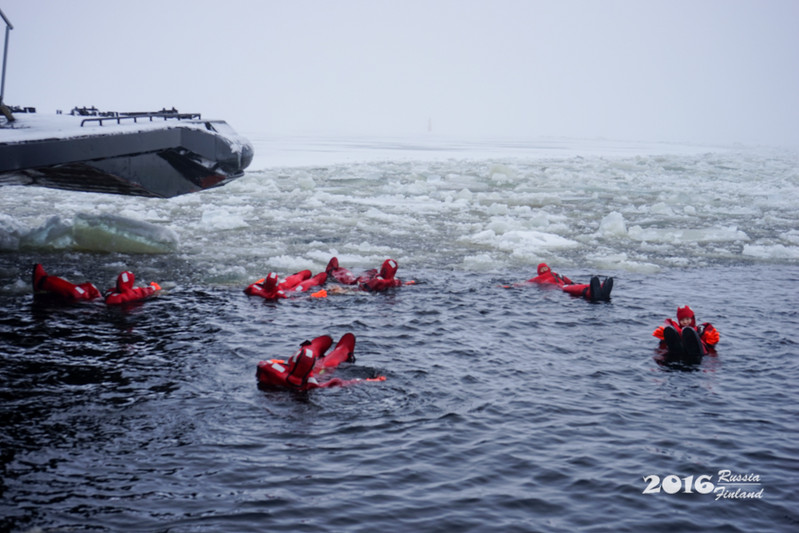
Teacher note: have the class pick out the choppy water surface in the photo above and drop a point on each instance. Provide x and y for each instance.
(512, 409)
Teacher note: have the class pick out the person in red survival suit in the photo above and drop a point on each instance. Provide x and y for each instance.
(125, 292)
(52, 287)
(594, 290)
(271, 288)
(294, 284)
(385, 279)
(672, 333)
(304, 369)
(545, 275)
(266, 288)
(345, 276)
(369, 280)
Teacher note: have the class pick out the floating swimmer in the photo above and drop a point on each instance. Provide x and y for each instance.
(684, 340)
(125, 292)
(345, 276)
(266, 288)
(547, 276)
(304, 369)
(370, 280)
(385, 279)
(594, 290)
(271, 288)
(53, 287)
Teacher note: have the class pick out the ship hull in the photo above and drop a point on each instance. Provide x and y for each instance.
(159, 160)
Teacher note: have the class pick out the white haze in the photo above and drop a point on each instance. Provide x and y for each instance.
(709, 71)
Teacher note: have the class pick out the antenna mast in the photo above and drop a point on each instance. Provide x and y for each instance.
(3, 109)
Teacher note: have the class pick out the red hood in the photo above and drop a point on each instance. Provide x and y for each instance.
(332, 265)
(270, 283)
(686, 312)
(125, 281)
(389, 269)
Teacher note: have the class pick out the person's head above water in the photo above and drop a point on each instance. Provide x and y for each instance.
(388, 269)
(685, 316)
(543, 268)
(332, 265)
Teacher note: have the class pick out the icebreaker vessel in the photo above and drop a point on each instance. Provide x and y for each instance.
(160, 154)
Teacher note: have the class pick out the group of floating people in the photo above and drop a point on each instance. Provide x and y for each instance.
(272, 288)
(55, 288)
(681, 340)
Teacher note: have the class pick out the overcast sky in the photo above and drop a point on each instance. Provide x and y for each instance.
(671, 70)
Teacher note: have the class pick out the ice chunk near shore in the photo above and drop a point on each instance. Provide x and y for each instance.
(53, 234)
(613, 225)
(773, 251)
(222, 219)
(10, 233)
(517, 241)
(112, 233)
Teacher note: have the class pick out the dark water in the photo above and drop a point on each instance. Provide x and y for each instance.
(503, 409)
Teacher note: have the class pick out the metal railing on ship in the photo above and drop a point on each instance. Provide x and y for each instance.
(135, 117)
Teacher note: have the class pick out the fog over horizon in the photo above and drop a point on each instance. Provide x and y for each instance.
(714, 71)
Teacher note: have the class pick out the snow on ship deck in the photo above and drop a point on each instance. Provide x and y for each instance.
(161, 154)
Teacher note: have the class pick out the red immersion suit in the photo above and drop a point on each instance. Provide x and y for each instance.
(125, 292)
(707, 333)
(60, 289)
(385, 279)
(345, 276)
(304, 369)
(271, 288)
